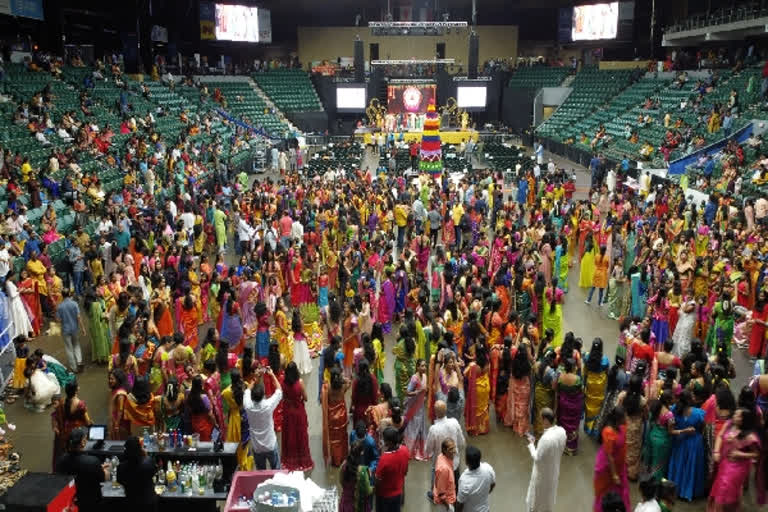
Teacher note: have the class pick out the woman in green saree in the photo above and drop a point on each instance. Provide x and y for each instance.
(658, 441)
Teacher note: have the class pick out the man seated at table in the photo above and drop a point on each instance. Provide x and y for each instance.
(88, 471)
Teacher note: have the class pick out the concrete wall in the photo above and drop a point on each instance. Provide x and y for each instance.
(555, 96)
(320, 43)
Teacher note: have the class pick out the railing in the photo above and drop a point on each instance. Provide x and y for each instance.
(719, 17)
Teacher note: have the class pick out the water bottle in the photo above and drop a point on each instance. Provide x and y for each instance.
(147, 441)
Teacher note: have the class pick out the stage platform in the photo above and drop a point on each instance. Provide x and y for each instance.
(448, 137)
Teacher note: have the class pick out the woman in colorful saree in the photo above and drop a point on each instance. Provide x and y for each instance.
(237, 421)
(570, 404)
(476, 413)
(119, 425)
(545, 380)
(415, 434)
(518, 411)
(356, 487)
(610, 463)
(335, 419)
(736, 449)
(405, 364)
(189, 320)
(595, 376)
(68, 415)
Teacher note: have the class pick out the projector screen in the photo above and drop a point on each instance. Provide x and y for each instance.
(237, 23)
(351, 99)
(594, 22)
(471, 97)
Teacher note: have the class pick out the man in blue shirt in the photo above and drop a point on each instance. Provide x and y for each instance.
(710, 210)
(68, 313)
(594, 167)
(625, 164)
(709, 167)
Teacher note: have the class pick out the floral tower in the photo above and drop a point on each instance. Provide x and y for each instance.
(431, 156)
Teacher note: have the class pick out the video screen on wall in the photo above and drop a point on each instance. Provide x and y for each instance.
(410, 98)
(472, 97)
(242, 23)
(594, 22)
(350, 98)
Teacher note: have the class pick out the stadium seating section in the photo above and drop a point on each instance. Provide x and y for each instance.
(243, 101)
(165, 104)
(608, 98)
(536, 77)
(290, 89)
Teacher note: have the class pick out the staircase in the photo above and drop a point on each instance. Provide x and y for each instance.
(568, 80)
(271, 104)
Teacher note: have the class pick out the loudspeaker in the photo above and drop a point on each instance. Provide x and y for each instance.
(359, 62)
(373, 51)
(474, 49)
(440, 50)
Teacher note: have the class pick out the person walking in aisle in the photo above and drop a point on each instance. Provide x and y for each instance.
(542, 490)
(68, 313)
(444, 428)
(476, 483)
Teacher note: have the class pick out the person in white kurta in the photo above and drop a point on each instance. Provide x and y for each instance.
(542, 489)
(610, 181)
(17, 311)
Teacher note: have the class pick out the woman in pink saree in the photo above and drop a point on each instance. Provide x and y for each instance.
(737, 447)
(415, 434)
(248, 295)
(387, 303)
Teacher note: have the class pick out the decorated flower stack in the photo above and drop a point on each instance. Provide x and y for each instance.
(431, 156)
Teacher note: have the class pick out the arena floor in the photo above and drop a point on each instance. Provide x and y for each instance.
(504, 450)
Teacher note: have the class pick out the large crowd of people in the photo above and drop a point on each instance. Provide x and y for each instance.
(462, 283)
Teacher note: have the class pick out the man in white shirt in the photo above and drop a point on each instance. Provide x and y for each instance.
(475, 484)
(542, 488)
(444, 428)
(188, 218)
(245, 233)
(260, 423)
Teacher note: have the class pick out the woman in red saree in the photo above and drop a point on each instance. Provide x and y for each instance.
(212, 387)
(201, 416)
(349, 338)
(189, 319)
(365, 391)
(335, 419)
(295, 455)
(476, 416)
(68, 415)
(28, 289)
(294, 280)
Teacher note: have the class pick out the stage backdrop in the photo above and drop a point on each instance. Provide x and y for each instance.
(410, 98)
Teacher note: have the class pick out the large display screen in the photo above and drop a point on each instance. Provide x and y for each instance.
(243, 23)
(595, 22)
(410, 98)
(471, 97)
(350, 98)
